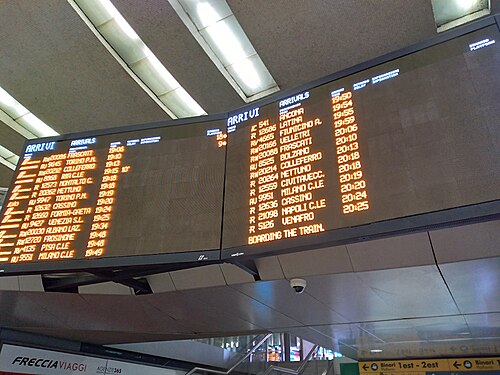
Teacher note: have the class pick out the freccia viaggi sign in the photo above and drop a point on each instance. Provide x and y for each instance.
(31, 361)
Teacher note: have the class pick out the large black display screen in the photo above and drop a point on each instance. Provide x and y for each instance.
(152, 191)
(414, 135)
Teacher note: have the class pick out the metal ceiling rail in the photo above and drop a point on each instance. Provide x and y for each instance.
(255, 347)
(299, 371)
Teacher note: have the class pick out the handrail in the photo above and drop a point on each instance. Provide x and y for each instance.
(291, 371)
(236, 364)
(328, 368)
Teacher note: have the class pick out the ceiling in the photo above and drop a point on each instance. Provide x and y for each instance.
(428, 294)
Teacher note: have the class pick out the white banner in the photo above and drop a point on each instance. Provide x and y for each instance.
(22, 360)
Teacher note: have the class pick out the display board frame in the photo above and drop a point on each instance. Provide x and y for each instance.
(131, 264)
(456, 216)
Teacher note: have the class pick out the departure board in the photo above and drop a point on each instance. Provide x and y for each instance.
(139, 192)
(417, 134)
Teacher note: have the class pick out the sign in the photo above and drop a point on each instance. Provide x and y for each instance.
(475, 364)
(22, 360)
(415, 367)
(431, 366)
(115, 195)
(31, 361)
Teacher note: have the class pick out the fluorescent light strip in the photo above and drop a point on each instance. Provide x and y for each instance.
(20, 119)
(452, 13)
(216, 29)
(17, 117)
(118, 37)
(8, 158)
(3, 195)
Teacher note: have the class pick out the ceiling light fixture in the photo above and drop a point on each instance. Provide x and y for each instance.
(20, 119)
(376, 351)
(219, 33)
(118, 37)
(8, 158)
(452, 13)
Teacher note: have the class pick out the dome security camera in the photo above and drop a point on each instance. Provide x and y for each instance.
(298, 285)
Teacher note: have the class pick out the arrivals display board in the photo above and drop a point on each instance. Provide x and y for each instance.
(417, 134)
(130, 193)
